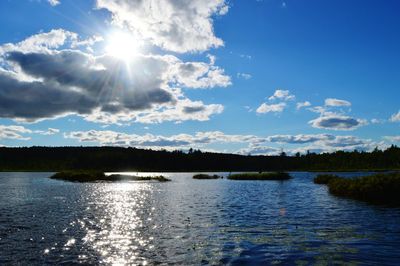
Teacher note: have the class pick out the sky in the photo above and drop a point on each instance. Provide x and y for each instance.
(245, 76)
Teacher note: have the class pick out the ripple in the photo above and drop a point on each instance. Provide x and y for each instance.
(188, 222)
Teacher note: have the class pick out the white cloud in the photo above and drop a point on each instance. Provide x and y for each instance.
(42, 42)
(14, 132)
(260, 150)
(395, 117)
(197, 74)
(282, 95)
(244, 75)
(179, 26)
(18, 132)
(49, 131)
(54, 2)
(255, 145)
(392, 138)
(199, 139)
(299, 139)
(336, 102)
(317, 109)
(377, 121)
(47, 42)
(330, 143)
(267, 108)
(300, 105)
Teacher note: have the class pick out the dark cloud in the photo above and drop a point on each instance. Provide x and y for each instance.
(74, 82)
(337, 122)
(35, 100)
(193, 109)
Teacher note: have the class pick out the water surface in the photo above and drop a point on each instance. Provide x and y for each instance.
(186, 221)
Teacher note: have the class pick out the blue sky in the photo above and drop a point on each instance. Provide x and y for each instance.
(250, 77)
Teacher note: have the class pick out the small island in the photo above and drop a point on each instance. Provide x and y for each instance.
(97, 176)
(280, 176)
(377, 188)
(205, 176)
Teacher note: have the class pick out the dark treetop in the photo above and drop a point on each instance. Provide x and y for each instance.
(130, 159)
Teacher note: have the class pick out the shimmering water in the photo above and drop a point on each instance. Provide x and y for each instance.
(44, 221)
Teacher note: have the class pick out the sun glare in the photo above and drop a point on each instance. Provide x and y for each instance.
(122, 45)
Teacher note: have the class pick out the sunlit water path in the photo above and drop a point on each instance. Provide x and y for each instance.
(44, 221)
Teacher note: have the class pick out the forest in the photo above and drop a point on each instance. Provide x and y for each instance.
(133, 159)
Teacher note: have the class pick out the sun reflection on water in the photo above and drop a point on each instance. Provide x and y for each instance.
(116, 215)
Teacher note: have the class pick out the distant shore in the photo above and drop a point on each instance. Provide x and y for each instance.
(206, 171)
(117, 159)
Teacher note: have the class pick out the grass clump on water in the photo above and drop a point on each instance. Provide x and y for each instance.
(94, 176)
(377, 188)
(205, 176)
(281, 176)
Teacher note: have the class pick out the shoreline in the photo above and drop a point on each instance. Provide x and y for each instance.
(211, 171)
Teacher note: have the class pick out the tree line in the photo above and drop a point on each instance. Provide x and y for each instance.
(133, 159)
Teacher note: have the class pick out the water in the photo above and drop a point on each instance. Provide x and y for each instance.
(46, 222)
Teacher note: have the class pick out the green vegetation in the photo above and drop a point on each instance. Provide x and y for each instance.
(324, 179)
(377, 188)
(260, 176)
(94, 176)
(205, 176)
(80, 176)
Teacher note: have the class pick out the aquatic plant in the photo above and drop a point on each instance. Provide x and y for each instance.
(80, 176)
(260, 176)
(377, 188)
(93, 176)
(205, 176)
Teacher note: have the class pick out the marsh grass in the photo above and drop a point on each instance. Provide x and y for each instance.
(95, 176)
(377, 188)
(281, 176)
(205, 176)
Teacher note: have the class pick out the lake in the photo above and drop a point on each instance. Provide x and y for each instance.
(186, 221)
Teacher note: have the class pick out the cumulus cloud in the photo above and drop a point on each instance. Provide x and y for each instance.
(331, 143)
(282, 95)
(255, 145)
(114, 138)
(14, 132)
(198, 74)
(334, 121)
(38, 81)
(336, 102)
(267, 108)
(300, 105)
(299, 139)
(395, 117)
(319, 143)
(20, 132)
(179, 26)
(43, 42)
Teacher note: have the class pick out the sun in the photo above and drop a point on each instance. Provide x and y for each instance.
(122, 45)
